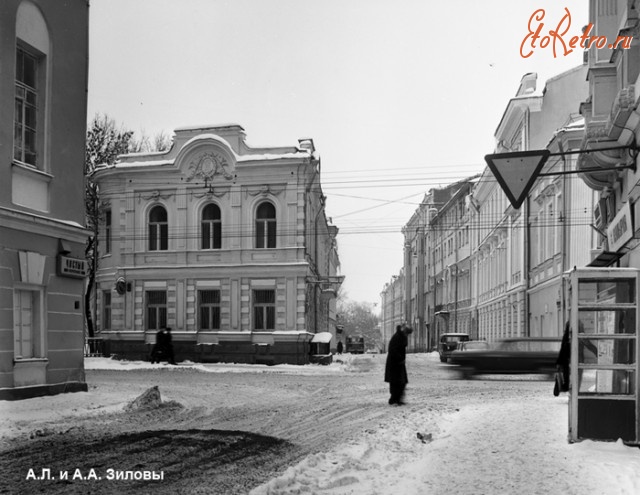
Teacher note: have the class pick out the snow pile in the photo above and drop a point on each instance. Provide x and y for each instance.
(341, 364)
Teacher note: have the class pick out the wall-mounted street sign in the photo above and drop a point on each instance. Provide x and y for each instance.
(620, 230)
(71, 267)
(517, 171)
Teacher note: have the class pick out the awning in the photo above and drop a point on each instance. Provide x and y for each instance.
(321, 338)
(605, 258)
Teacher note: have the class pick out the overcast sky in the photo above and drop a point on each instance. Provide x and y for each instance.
(399, 95)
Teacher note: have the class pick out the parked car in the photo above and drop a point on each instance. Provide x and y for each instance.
(518, 355)
(449, 343)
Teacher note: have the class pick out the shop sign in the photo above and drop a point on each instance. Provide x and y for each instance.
(620, 230)
(71, 267)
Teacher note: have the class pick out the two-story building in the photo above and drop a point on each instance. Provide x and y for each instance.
(227, 244)
(43, 92)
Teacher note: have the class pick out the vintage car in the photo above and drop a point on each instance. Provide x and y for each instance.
(526, 355)
(470, 345)
(449, 343)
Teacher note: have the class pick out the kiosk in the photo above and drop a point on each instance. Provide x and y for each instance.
(602, 306)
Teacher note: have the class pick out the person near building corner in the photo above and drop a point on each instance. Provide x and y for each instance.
(395, 373)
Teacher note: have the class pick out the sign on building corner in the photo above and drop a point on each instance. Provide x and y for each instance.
(71, 267)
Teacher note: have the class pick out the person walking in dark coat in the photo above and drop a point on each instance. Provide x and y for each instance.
(163, 346)
(395, 372)
(563, 362)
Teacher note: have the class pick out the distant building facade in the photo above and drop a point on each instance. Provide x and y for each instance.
(521, 254)
(229, 245)
(392, 308)
(475, 264)
(43, 87)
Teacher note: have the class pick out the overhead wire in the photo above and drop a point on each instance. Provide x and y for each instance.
(347, 179)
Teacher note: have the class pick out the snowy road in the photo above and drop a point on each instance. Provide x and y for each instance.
(319, 430)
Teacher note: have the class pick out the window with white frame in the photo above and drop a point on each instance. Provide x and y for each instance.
(543, 224)
(107, 232)
(551, 236)
(559, 221)
(266, 226)
(158, 229)
(106, 310)
(534, 242)
(26, 107)
(211, 227)
(156, 309)
(264, 309)
(27, 331)
(209, 309)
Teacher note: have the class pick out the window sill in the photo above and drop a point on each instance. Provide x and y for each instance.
(31, 171)
(30, 360)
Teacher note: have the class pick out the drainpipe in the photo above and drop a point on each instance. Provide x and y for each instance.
(527, 238)
(308, 187)
(564, 238)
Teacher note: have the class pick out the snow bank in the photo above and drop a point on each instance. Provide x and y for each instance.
(340, 364)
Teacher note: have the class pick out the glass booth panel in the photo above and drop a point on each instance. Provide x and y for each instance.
(606, 351)
(615, 382)
(607, 322)
(607, 291)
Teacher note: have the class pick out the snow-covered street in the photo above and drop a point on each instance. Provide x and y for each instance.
(489, 435)
(478, 450)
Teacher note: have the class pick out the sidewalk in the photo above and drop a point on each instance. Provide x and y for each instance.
(478, 450)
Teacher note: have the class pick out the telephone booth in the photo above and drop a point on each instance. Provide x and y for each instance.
(604, 395)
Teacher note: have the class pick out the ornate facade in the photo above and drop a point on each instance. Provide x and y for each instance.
(613, 132)
(229, 245)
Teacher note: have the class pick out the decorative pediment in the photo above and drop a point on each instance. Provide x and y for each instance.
(153, 196)
(623, 106)
(264, 190)
(212, 192)
(208, 165)
(547, 190)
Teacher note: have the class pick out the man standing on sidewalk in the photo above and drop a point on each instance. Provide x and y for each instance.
(395, 373)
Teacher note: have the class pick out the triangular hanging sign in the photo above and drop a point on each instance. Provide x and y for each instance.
(516, 172)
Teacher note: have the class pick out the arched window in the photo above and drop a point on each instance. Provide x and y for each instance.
(266, 226)
(158, 229)
(31, 80)
(211, 227)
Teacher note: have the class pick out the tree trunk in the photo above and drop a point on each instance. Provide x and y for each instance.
(87, 305)
(90, 253)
